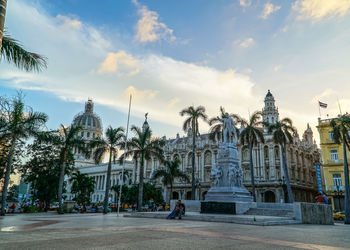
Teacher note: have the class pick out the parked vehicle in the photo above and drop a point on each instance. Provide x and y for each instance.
(339, 216)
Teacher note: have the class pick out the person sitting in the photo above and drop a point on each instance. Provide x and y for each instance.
(179, 211)
(320, 199)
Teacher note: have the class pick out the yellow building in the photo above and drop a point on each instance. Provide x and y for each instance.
(333, 165)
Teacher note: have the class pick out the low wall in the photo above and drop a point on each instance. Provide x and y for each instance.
(313, 213)
(191, 205)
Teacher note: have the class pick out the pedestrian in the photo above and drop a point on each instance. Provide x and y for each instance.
(320, 199)
(179, 210)
(326, 201)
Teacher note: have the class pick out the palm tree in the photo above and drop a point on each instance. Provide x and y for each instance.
(341, 126)
(82, 185)
(66, 139)
(142, 146)
(169, 173)
(3, 4)
(193, 114)
(217, 124)
(21, 123)
(251, 135)
(282, 132)
(114, 137)
(13, 52)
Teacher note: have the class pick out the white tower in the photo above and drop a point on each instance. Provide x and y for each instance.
(270, 111)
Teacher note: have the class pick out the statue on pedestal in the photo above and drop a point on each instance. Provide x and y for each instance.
(229, 130)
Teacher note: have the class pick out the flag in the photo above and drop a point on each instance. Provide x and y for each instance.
(322, 104)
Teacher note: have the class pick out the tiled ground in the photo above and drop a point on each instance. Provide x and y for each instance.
(96, 231)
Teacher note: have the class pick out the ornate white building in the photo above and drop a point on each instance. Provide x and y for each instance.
(301, 156)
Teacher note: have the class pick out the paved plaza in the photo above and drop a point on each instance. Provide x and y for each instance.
(97, 231)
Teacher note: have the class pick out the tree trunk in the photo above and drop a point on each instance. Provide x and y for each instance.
(286, 175)
(171, 192)
(139, 204)
(2, 19)
(60, 183)
(193, 192)
(108, 183)
(252, 170)
(7, 176)
(346, 179)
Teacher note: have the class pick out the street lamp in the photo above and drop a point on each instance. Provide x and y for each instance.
(284, 187)
(198, 185)
(339, 193)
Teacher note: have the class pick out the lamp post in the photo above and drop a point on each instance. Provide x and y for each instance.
(198, 185)
(284, 187)
(339, 193)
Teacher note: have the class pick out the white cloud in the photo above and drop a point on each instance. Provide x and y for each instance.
(246, 43)
(121, 63)
(68, 22)
(245, 3)
(316, 10)
(149, 28)
(157, 87)
(269, 9)
(277, 68)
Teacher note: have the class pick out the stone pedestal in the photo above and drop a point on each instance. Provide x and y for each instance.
(212, 207)
(227, 179)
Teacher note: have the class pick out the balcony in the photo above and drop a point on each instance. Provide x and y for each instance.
(336, 188)
(335, 162)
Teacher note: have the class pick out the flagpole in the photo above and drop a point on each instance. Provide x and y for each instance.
(126, 139)
(319, 108)
(339, 107)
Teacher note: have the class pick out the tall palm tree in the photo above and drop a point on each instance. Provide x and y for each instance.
(21, 123)
(217, 124)
(67, 138)
(3, 4)
(341, 128)
(142, 146)
(193, 115)
(13, 52)
(282, 132)
(110, 144)
(82, 185)
(251, 135)
(169, 173)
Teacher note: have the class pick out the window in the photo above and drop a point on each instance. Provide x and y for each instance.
(337, 180)
(334, 155)
(331, 136)
(82, 134)
(88, 134)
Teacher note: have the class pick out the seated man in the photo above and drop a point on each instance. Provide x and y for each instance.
(179, 210)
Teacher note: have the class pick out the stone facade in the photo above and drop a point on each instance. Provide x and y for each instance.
(301, 156)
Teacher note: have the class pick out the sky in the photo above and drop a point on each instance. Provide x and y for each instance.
(173, 54)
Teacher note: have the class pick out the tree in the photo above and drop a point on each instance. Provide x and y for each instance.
(282, 132)
(142, 146)
(3, 4)
(169, 173)
(109, 145)
(216, 124)
(341, 128)
(21, 123)
(251, 135)
(42, 171)
(193, 114)
(82, 187)
(67, 138)
(13, 52)
(125, 190)
(149, 191)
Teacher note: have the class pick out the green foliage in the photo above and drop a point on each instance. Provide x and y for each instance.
(13, 52)
(125, 191)
(149, 191)
(13, 193)
(42, 170)
(82, 187)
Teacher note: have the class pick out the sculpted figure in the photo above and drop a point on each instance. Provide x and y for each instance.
(215, 175)
(229, 130)
(232, 173)
(239, 177)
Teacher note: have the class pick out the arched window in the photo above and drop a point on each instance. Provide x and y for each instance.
(245, 154)
(266, 152)
(277, 153)
(189, 159)
(207, 158)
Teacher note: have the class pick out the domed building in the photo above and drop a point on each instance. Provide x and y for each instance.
(92, 128)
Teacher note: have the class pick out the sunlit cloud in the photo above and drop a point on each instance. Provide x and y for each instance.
(269, 9)
(121, 63)
(317, 10)
(149, 28)
(245, 3)
(246, 43)
(68, 22)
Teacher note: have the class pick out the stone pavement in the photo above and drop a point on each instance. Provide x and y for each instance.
(258, 220)
(97, 231)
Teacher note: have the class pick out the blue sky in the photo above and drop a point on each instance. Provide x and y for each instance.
(171, 54)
